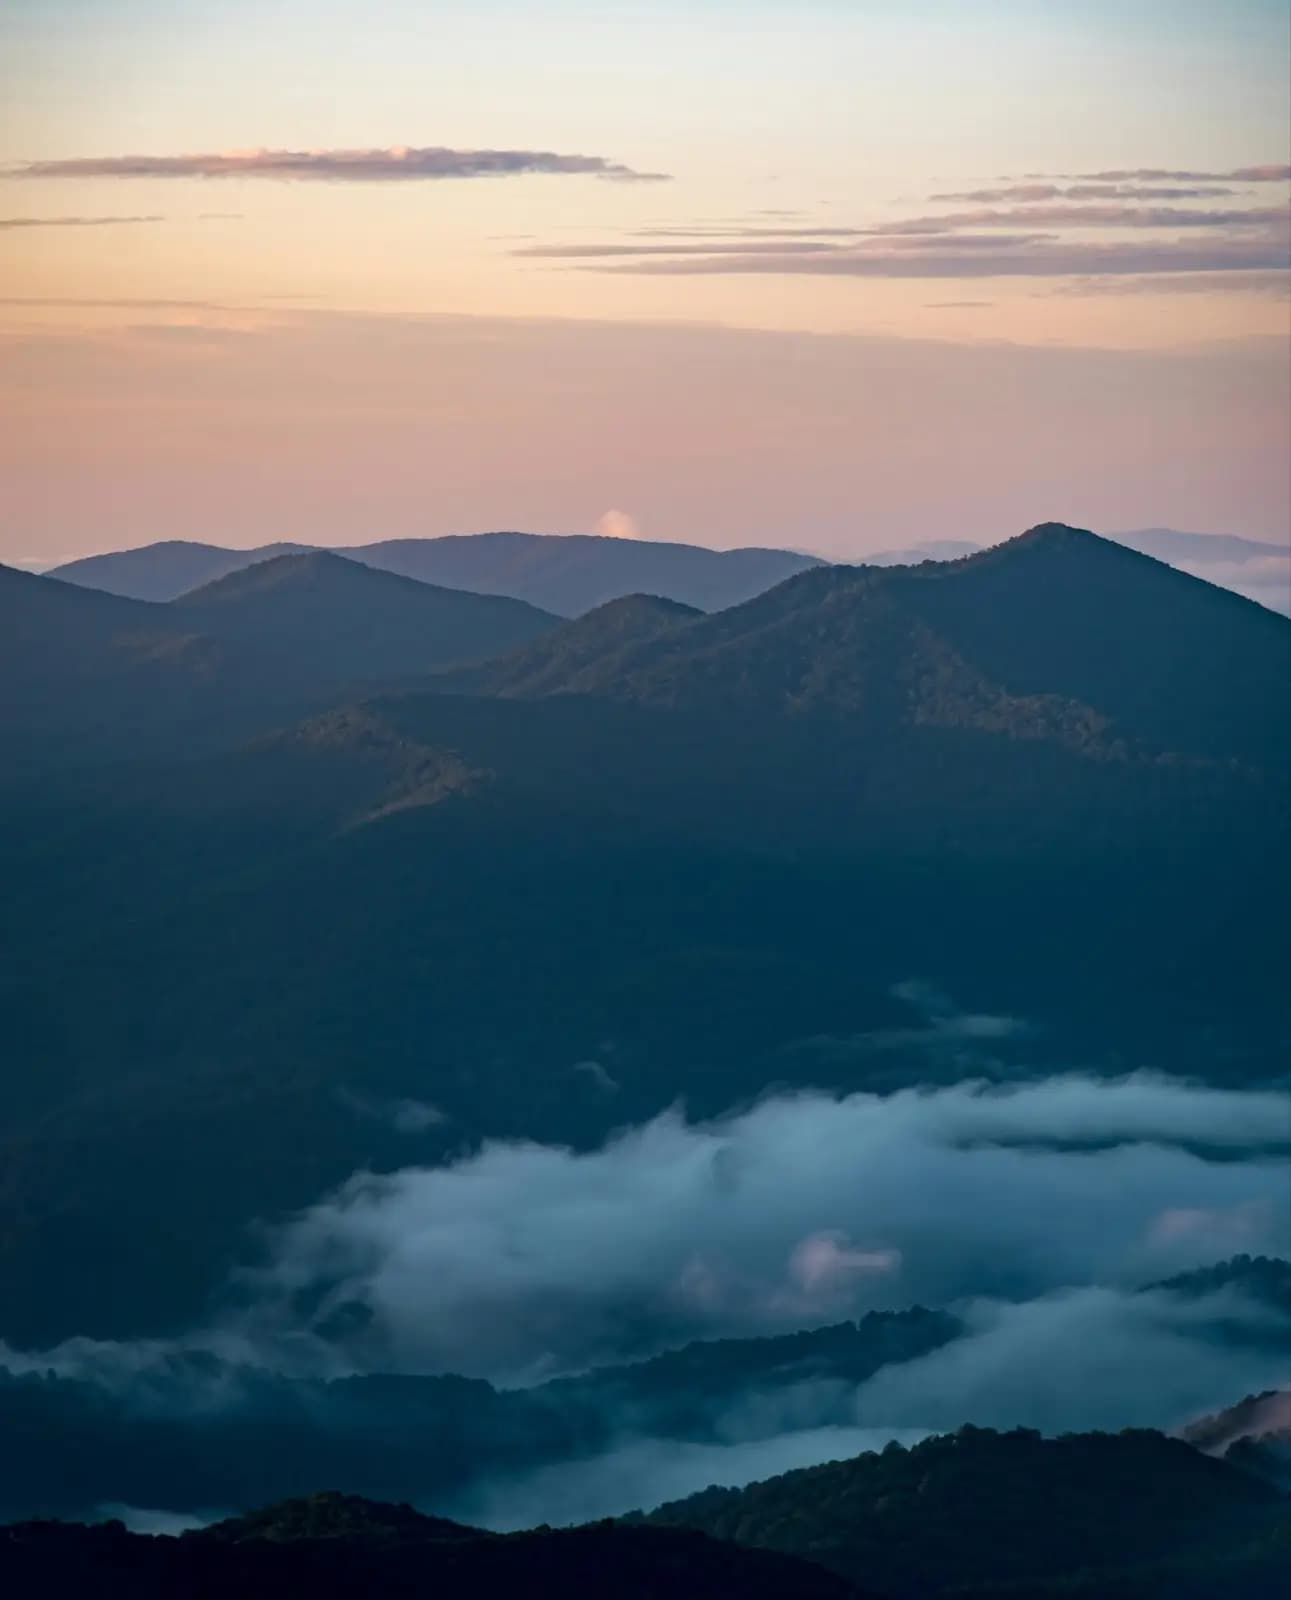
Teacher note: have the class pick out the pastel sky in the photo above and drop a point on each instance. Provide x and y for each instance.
(832, 274)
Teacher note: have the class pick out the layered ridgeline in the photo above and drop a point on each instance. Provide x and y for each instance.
(87, 674)
(1119, 1516)
(1130, 1516)
(338, 1547)
(647, 855)
(180, 1430)
(566, 574)
(574, 573)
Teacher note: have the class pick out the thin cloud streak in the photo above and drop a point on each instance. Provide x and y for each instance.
(1027, 192)
(400, 163)
(71, 222)
(1276, 284)
(1104, 216)
(1019, 256)
(1269, 173)
(581, 252)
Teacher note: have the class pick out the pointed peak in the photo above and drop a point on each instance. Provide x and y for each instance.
(1058, 533)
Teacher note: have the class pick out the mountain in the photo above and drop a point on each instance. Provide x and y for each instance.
(86, 674)
(1249, 567)
(340, 620)
(166, 570)
(699, 851)
(925, 550)
(980, 1512)
(1255, 1435)
(91, 676)
(1057, 635)
(572, 573)
(567, 574)
(577, 654)
(337, 1547)
(187, 1431)
(1266, 1279)
(1169, 544)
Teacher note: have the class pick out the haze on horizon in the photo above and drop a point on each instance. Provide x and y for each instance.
(833, 276)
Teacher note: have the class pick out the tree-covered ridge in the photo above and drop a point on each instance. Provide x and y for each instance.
(332, 1547)
(1263, 1278)
(194, 1431)
(706, 877)
(978, 1511)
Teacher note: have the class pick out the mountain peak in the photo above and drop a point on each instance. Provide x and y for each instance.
(302, 567)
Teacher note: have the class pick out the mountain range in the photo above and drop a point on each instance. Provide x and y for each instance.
(1129, 1516)
(573, 573)
(568, 574)
(179, 1429)
(298, 847)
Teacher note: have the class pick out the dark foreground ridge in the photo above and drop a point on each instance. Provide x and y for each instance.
(979, 1512)
(338, 1547)
(1129, 1516)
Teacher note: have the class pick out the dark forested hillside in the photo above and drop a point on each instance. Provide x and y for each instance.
(981, 1512)
(348, 622)
(191, 1431)
(1057, 634)
(89, 677)
(165, 570)
(334, 1547)
(705, 870)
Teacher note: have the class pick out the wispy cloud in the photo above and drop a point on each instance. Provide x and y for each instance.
(591, 252)
(1275, 284)
(1099, 216)
(71, 222)
(1027, 192)
(398, 163)
(1270, 173)
(989, 256)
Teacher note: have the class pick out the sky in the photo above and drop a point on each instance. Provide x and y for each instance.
(831, 274)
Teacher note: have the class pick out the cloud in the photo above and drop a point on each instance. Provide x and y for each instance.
(403, 1115)
(400, 163)
(1101, 216)
(618, 525)
(1093, 1357)
(523, 1259)
(927, 232)
(1076, 1359)
(752, 233)
(592, 252)
(71, 222)
(1274, 172)
(1276, 283)
(168, 1524)
(986, 256)
(1027, 192)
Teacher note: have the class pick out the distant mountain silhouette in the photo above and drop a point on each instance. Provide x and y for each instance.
(985, 1513)
(335, 618)
(166, 570)
(925, 550)
(563, 573)
(1169, 544)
